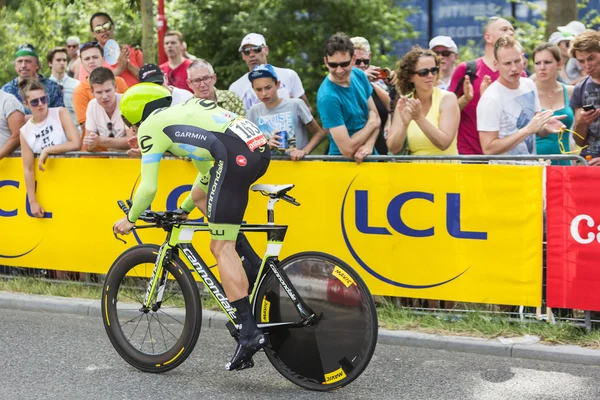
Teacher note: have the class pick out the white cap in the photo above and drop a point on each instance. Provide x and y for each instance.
(255, 39)
(558, 37)
(359, 41)
(574, 28)
(445, 41)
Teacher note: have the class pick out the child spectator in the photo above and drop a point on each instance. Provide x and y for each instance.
(277, 117)
(49, 131)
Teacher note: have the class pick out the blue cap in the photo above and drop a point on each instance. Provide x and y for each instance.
(263, 71)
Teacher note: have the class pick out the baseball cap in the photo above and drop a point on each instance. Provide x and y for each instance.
(262, 71)
(151, 73)
(361, 42)
(255, 39)
(574, 28)
(558, 37)
(26, 50)
(445, 41)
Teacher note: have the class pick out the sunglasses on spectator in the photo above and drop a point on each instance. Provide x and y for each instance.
(198, 81)
(103, 28)
(365, 61)
(109, 126)
(255, 49)
(561, 146)
(443, 53)
(344, 64)
(72, 46)
(36, 102)
(423, 72)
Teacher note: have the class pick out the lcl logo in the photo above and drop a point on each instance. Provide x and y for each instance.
(575, 224)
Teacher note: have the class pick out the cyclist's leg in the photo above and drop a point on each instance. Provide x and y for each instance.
(235, 169)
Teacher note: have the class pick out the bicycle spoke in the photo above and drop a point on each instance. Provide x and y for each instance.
(131, 320)
(150, 331)
(161, 332)
(135, 329)
(173, 318)
(165, 327)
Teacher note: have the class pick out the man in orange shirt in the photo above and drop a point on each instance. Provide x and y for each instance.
(91, 58)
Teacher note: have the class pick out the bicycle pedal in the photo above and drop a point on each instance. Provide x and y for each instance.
(246, 365)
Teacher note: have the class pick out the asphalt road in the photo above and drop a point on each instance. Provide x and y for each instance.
(62, 356)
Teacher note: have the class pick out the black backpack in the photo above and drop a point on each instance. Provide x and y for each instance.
(471, 72)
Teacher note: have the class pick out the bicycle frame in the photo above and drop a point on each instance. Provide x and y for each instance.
(180, 237)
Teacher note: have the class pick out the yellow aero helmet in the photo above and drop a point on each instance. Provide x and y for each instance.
(140, 100)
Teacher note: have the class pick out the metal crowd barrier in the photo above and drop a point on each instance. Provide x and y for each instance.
(544, 159)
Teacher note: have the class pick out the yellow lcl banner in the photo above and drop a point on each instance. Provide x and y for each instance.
(436, 231)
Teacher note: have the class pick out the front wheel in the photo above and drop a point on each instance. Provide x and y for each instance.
(336, 349)
(162, 337)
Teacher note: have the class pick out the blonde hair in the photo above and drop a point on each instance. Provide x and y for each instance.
(506, 42)
(588, 42)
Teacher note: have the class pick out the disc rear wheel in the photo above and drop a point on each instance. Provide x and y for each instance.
(337, 348)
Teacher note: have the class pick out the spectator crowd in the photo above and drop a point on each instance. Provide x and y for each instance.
(426, 105)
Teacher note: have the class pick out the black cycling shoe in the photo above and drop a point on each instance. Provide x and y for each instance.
(242, 358)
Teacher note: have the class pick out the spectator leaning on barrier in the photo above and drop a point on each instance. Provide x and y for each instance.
(91, 58)
(176, 65)
(562, 41)
(554, 96)
(508, 114)
(72, 45)
(381, 97)
(586, 95)
(12, 118)
(57, 61)
(573, 70)
(104, 127)
(49, 131)
(447, 51)
(202, 79)
(152, 73)
(290, 116)
(471, 79)
(254, 51)
(426, 116)
(27, 65)
(345, 104)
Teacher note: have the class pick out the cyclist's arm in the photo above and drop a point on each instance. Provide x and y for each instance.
(150, 167)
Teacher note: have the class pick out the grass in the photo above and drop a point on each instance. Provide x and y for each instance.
(473, 324)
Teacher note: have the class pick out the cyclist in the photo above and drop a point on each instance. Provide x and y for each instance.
(230, 154)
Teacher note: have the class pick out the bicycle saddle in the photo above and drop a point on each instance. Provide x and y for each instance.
(272, 190)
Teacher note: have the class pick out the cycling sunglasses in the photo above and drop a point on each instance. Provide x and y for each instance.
(365, 61)
(36, 102)
(423, 72)
(443, 53)
(102, 28)
(561, 146)
(344, 64)
(255, 49)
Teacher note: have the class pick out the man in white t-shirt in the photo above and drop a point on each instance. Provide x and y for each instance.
(153, 74)
(104, 127)
(254, 51)
(508, 113)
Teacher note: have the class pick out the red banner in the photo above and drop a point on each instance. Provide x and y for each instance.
(573, 233)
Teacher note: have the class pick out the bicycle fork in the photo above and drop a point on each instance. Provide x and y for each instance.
(158, 281)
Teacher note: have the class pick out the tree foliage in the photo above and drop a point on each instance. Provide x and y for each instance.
(295, 30)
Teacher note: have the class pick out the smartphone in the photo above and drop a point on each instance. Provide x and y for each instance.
(589, 107)
(383, 74)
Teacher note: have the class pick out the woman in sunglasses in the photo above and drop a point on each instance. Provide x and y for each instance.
(425, 117)
(49, 131)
